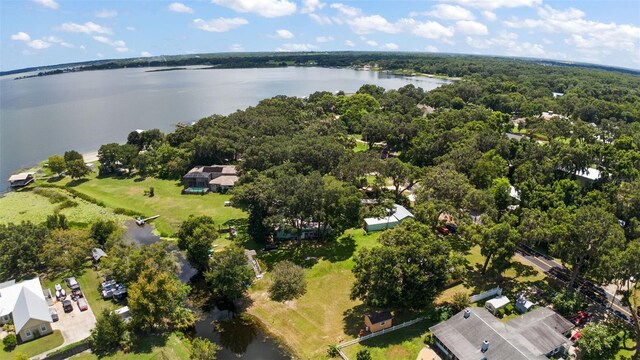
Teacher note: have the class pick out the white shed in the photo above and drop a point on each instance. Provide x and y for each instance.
(497, 303)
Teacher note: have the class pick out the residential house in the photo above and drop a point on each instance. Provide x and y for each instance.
(426, 109)
(24, 305)
(474, 334)
(216, 178)
(378, 320)
(394, 217)
(22, 179)
(587, 176)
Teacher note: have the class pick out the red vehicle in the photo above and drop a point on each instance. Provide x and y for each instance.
(582, 318)
(443, 230)
(82, 304)
(575, 336)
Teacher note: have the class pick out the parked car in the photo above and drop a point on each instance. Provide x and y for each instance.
(622, 316)
(443, 230)
(72, 283)
(82, 304)
(270, 247)
(120, 292)
(576, 336)
(108, 287)
(67, 306)
(453, 228)
(54, 314)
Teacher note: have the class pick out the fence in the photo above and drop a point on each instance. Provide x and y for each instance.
(491, 292)
(377, 333)
(69, 351)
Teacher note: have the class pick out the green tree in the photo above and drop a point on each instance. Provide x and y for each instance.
(57, 164)
(108, 332)
(287, 281)
(403, 175)
(498, 245)
(102, 230)
(598, 341)
(203, 349)
(363, 354)
(460, 301)
(77, 169)
(195, 236)
(72, 155)
(567, 302)
(457, 103)
(20, 247)
(501, 191)
(490, 166)
(134, 138)
(126, 261)
(108, 156)
(10, 341)
(408, 271)
(229, 273)
(66, 250)
(57, 221)
(156, 298)
(127, 155)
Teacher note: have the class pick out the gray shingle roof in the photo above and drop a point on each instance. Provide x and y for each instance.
(527, 337)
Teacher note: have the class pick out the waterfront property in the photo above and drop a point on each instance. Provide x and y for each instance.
(21, 179)
(378, 320)
(475, 333)
(394, 217)
(24, 305)
(215, 178)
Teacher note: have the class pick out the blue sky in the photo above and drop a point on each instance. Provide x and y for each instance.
(44, 32)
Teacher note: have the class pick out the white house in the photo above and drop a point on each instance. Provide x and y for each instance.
(399, 214)
(24, 305)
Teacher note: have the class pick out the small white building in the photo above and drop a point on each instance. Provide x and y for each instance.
(497, 303)
(397, 215)
(523, 304)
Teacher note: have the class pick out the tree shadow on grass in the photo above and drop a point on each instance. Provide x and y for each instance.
(353, 319)
(54, 179)
(307, 253)
(523, 270)
(146, 343)
(76, 182)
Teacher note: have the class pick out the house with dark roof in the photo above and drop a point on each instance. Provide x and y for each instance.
(378, 320)
(24, 305)
(475, 333)
(216, 178)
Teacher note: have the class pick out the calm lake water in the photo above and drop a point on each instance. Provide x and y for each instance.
(48, 115)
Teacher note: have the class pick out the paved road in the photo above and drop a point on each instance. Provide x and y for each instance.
(557, 270)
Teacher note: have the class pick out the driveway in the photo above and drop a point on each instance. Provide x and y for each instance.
(428, 354)
(76, 325)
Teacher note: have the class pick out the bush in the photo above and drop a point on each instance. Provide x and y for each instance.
(66, 204)
(460, 301)
(51, 194)
(10, 341)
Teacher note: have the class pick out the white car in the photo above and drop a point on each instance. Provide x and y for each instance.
(58, 287)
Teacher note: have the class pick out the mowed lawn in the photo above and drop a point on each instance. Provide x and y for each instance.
(148, 348)
(323, 315)
(34, 347)
(168, 202)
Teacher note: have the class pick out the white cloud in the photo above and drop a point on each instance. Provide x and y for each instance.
(296, 47)
(180, 8)
(236, 48)
(508, 44)
(371, 43)
(369, 24)
(284, 34)
(429, 29)
(38, 44)
(431, 48)
(450, 12)
(489, 15)
(86, 28)
(324, 39)
(99, 55)
(49, 4)
(349, 43)
(582, 33)
(346, 10)
(471, 28)
(57, 40)
(145, 54)
(309, 6)
(496, 4)
(104, 13)
(321, 19)
(21, 36)
(390, 46)
(119, 45)
(219, 24)
(130, 28)
(266, 8)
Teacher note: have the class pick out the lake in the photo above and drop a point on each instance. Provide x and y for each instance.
(48, 115)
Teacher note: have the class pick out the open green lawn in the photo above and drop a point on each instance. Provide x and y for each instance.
(34, 347)
(168, 202)
(16, 207)
(403, 344)
(325, 314)
(149, 348)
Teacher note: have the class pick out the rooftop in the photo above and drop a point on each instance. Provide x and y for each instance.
(379, 316)
(399, 213)
(25, 300)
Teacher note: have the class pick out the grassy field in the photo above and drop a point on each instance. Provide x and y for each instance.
(403, 344)
(16, 207)
(149, 348)
(168, 202)
(325, 314)
(34, 347)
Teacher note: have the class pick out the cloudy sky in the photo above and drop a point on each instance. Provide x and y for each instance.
(43, 32)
